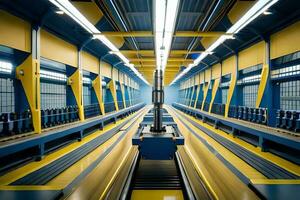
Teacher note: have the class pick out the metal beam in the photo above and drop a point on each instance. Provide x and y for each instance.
(177, 34)
(151, 52)
(153, 60)
(153, 63)
(152, 70)
(150, 66)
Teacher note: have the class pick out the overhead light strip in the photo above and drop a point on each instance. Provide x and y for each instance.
(70, 10)
(256, 10)
(165, 14)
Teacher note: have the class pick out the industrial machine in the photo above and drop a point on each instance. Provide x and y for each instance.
(158, 140)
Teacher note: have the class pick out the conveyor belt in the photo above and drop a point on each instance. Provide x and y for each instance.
(48, 172)
(157, 174)
(164, 176)
(267, 168)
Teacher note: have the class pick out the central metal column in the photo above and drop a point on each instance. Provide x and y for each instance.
(158, 100)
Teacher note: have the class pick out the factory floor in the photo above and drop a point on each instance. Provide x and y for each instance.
(218, 166)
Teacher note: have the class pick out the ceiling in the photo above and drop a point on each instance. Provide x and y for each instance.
(129, 25)
(136, 17)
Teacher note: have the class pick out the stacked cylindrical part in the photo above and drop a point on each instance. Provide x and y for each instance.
(158, 100)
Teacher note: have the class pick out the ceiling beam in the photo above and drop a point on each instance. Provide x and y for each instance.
(151, 52)
(153, 60)
(153, 65)
(176, 34)
(152, 70)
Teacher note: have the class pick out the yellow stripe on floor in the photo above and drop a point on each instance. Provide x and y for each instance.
(275, 181)
(220, 180)
(238, 163)
(287, 165)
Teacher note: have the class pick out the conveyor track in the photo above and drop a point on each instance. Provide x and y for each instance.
(48, 172)
(157, 174)
(163, 175)
(267, 168)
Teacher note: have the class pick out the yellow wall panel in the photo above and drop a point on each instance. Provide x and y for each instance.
(90, 10)
(216, 71)
(191, 81)
(105, 69)
(129, 82)
(201, 77)
(57, 49)
(207, 75)
(121, 77)
(89, 62)
(228, 65)
(116, 74)
(197, 79)
(239, 9)
(285, 41)
(14, 32)
(252, 56)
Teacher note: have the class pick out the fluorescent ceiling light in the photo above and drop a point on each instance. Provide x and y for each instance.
(267, 12)
(66, 7)
(70, 10)
(106, 42)
(165, 17)
(59, 12)
(260, 7)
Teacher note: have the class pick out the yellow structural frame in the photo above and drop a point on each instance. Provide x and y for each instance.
(214, 92)
(112, 88)
(97, 85)
(29, 75)
(264, 77)
(75, 81)
(231, 86)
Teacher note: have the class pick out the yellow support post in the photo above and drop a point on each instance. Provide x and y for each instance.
(231, 86)
(264, 78)
(75, 81)
(214, 92)
(97, 85)
(112, 87)
(29, 75)
(197, 96)
(205, 89)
